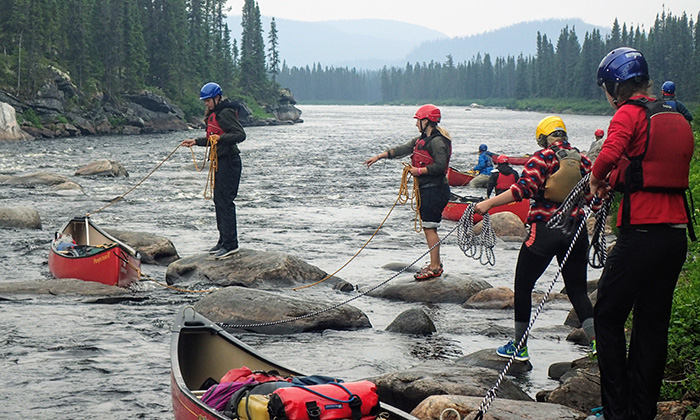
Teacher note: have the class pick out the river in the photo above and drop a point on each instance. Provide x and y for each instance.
(304, 192)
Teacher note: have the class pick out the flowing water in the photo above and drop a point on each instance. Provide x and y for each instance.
(304, 192)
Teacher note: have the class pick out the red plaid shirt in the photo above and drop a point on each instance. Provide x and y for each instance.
(532, 180)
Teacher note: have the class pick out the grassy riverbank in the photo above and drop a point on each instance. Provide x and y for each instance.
(682, 376)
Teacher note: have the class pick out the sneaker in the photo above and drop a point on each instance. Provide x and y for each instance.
(223, 253)
(509, 349)
(594, 349)
(213, 250)
(428, 273)
(597, 414)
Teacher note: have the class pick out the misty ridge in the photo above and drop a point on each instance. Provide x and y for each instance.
(370, 44)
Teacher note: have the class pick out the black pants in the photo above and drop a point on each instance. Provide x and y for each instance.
(640, 274)
(226, 181)
(535, 255)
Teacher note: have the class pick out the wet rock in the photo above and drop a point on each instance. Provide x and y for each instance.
(9, 129)
(103, 167)
(34, 179)
(501, 409)
(250, 268)
(241, 306)
(492, 298)
(406, 389)
(154, 249)
(487, 358)
(412, 321)
(61, 287)
(444, 289)
(580, 389)
(20, 217)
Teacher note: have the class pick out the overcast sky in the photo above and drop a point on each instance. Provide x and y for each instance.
(469, 17)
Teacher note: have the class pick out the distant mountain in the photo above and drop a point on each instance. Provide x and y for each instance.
(374, 43)
(365, 43)
(511, 40)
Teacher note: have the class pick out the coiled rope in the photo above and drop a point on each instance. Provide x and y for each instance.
(479, 247)
(404, 196)
(211, 154)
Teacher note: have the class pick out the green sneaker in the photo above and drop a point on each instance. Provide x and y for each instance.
(509, 349)
(594, 349)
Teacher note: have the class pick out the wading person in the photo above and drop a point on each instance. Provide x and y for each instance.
(502, 177)
(547, 178)
(642, 269)
(483, 167)
(225, 131)
(430, 157)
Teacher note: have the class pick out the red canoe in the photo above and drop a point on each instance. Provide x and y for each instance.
(81, 250)
(458, 178)
(457, 204)
(513, 160)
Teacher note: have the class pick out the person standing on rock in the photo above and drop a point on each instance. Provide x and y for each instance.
(430, 158)
(546, 190)
(641, 272)
(225, 132)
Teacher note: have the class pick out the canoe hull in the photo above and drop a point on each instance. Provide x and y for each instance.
(200, 349)
(513, 160)
(455, 209)
(108, 260)
(458, 178)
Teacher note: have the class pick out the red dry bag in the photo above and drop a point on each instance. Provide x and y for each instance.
(353, 400)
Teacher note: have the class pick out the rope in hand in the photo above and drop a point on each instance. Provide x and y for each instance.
(479, 247)
(491, 394)
(137, 184)
(562, 219)
(413, 196)
(403, 197)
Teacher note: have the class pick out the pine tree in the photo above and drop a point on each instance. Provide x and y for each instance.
(273, 54)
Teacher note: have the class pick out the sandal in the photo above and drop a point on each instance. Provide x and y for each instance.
(428, 273)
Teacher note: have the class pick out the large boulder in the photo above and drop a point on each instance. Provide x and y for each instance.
(61, 287)
(154, 249)
(148, 112)
(250, 268)
(9, 129)
(406, 389)
(19, 217)
(444, 289)
(412, 321)
(34, 179)
(467, 407)
(271, 313)
(103, 167)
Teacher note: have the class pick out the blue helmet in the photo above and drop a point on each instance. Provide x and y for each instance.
(210, 90)
(483, 147)
(668, 88)
(622, 64)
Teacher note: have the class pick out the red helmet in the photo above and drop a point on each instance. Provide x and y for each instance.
(599, 133)
(428, 111)
(502, 159)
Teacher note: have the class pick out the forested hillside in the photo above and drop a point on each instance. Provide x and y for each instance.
(111, 47)
(561, 68)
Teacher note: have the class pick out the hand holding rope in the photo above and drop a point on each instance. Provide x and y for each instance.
(479, 247)
(413, 196)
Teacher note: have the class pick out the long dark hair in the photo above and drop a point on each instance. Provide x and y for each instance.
(632, 87)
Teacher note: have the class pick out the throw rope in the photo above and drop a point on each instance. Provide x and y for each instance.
(479, 247)
(491, 394)
(135, 186)
(404, 196)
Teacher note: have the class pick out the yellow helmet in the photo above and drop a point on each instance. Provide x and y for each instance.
(548, 125)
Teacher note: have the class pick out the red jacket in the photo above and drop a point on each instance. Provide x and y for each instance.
(627, 133)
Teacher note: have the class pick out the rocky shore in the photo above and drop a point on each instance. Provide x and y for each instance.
(60, 109)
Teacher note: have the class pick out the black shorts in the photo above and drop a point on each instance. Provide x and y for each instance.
(432, 202)
(545, 241)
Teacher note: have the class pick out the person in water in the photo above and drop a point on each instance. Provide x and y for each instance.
(483, 168)
(641, 272)
(430, 158)
(224, 130)
(544, 243)
(502, 177)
